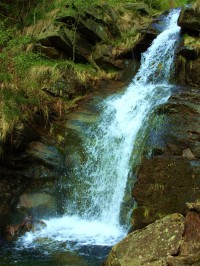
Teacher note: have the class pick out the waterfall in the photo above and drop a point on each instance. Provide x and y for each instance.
(92, 215)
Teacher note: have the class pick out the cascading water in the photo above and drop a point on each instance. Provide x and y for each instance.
(92, 215)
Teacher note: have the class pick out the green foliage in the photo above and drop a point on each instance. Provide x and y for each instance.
(24, 75)
(20, 98)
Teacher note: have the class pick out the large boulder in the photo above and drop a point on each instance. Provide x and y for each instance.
(150, 246)
(189, 253)
(170, 241)
(188, 59)
(189, 20)
(73, 34)
(175, 126)
(98, 34)
(165, 177)
(162, 188)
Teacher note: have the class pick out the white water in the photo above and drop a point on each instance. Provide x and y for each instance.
(92, 218)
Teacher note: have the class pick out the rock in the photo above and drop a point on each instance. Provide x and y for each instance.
(191, 259)
(189, 253)
(69, 258)
(141, 7)
(162, 188)
(148, 34)
(175, 127)
(49, 51)
(194, 206)
(2, 241)
(48, 155)
(79, 35)
(188, 154)
(150, 246)
(189, 20)
(191, 239)
(166, 172)
(32, 200)
(28, 224)
(74, 36)
(188, 59)
(170, 241)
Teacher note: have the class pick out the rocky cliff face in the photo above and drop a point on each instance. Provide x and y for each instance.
(165, 177)
(188, 57)
(169, 174)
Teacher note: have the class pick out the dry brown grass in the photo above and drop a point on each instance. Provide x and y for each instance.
(196, 6)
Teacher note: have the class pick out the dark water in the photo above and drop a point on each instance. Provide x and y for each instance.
(84, 256)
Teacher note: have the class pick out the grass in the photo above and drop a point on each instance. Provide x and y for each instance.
(26, 77)
(196, 6)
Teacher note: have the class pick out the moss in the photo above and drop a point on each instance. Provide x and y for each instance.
(191, 41)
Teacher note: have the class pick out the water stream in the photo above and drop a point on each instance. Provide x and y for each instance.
(92, 216)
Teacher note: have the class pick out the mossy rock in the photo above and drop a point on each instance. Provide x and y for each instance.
(150, 246)
(189, 20)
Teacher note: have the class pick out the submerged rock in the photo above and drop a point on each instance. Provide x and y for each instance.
(12, 231)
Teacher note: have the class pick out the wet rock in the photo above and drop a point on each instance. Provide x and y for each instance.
(69, 258)
(193, 206)
(189, 247)
(188, 59)
(48, 155)
(191, 259)
(12, 231)
(175, 127)
(162, 188)
(2, 241)
(32, 200)
(189, 20)
(171, 163)
(191, 239)
(188, 154)
(150, 246)
(148, 34)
